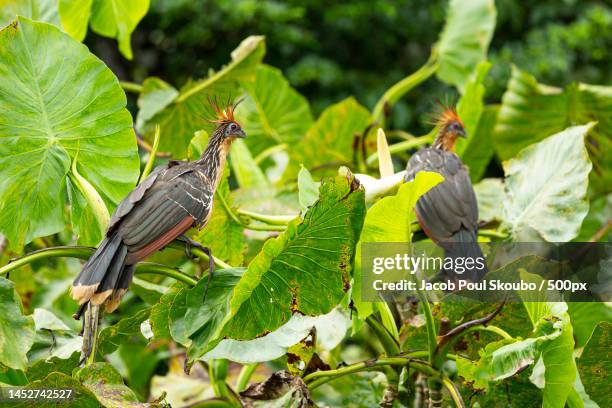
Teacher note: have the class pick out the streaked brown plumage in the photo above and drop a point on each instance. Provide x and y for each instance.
(171, 200)
(448, 213)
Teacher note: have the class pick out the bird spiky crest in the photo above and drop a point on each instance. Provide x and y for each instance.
(445, 113)
(224, 115)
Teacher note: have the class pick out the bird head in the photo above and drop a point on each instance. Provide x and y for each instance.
(450, 127)
(450, 123)
(226, 126)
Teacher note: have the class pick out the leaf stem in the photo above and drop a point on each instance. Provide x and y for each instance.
(400, 147)
(149, 166)
(321, 377)
(430, 324)
(490, 328)
(268, 219)
(83, 252)
(386, 339)
(245, 375)
(237, 219)
(393, 94)
(131, 86)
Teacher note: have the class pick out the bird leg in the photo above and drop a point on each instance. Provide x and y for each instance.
(189, 243)
(91, 325)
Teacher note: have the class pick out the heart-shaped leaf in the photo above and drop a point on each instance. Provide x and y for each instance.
(465, 39)
(329, 141)
(110, 18)
(530, 112)
(311, 259)
(546, 187)
(58, 104)
(189, 110)
(273, 112)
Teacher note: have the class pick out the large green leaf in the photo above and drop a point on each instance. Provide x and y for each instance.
(585, 318)
(39, 10)
(105, 382)
(195, 323)
(58, 103)
(530, 112)
(81, 396)
(74, 16)
(490, 196)
(273, 112)
(330, 331)
(189, 110)
(465, 39)
(595, 365)
(116, 19)
(480, 151)
(16, 331)
(248, 173)
(546, 186)
(380, 227)
(312, 259)
(329, 140)
(553, 344)
(111, 337)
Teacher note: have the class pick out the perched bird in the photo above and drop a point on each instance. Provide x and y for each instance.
(172, 199)
(448, 213)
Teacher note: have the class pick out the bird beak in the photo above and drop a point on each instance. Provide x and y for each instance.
(461, 133)
(241, 134)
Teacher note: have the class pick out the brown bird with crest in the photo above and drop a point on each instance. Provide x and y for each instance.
(172, 199)
(448, 213)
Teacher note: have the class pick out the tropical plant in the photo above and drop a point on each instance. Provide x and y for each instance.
(283, 322)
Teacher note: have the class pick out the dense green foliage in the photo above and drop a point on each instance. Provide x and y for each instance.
(314, 180)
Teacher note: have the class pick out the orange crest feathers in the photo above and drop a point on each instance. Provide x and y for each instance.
(224, 115)
(444, 114)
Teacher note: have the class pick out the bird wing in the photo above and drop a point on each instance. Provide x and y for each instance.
(450, 205)
(128, 203)
(166, 207)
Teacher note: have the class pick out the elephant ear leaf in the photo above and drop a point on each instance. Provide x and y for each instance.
(62, 113)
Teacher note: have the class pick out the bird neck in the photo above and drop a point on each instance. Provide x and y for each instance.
(214, 157)
(445, 141)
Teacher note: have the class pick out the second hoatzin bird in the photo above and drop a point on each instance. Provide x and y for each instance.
(171, 200)
(448, 213)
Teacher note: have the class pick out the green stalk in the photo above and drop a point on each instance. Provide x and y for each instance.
(401, 147)
(200, 254)
(237, 219)
(217, 373)
(489, 328)
(268, 219)
(82, 252)
(386, 339)
(245, 375)
(319, 378)
(402, 87)
(152, 153)
(131, 86)
(430, 324)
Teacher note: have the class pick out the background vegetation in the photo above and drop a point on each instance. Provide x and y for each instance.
(531, 81)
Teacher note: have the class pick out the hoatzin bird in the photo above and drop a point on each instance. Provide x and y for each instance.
(448, 213)
(171, 200)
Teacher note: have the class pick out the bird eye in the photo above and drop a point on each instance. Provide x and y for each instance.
(233, 127)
